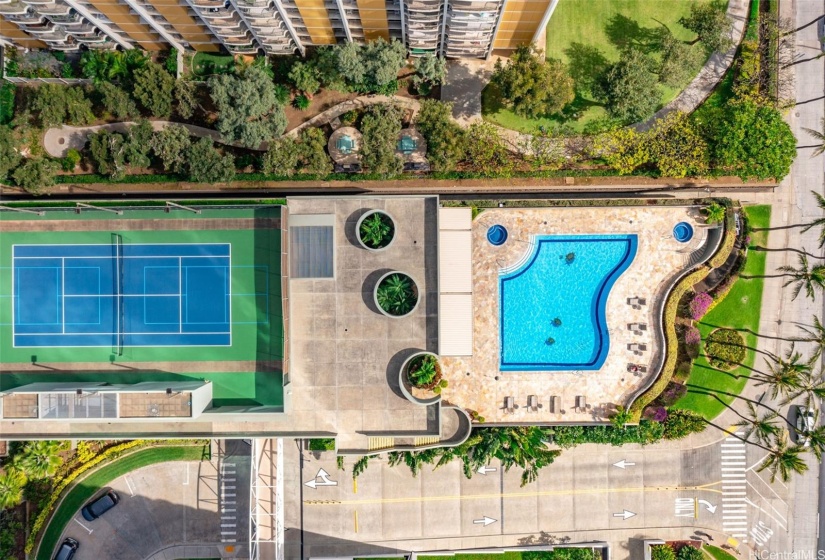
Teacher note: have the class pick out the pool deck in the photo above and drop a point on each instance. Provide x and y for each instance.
(476, 383)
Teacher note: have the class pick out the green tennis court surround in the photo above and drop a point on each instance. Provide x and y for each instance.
(179, 296)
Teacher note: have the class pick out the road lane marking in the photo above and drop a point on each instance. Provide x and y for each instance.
(186, 482)
(129, 484)
(530, 495)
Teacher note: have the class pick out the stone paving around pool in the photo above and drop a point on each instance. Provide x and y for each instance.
(476, 383)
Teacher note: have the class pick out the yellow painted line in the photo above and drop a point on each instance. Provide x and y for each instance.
(354, 486)
(695, 508)
(356, 520)
(516, 495)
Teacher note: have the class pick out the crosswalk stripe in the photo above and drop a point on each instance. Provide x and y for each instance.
(739, 469)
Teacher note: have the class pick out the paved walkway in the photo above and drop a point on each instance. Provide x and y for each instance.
(358, 103)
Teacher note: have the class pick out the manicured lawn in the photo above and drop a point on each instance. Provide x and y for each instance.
(717, 553)
(739, 310)
(87, 488)
(204, 64)
(583, 31)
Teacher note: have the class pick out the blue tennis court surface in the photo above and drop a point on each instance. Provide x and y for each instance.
(122, 295)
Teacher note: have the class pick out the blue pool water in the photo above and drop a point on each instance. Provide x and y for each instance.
(682, 232)
(550, 285)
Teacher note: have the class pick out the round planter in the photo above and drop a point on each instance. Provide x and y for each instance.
(360, 221)
(415, 289)
(407, 387)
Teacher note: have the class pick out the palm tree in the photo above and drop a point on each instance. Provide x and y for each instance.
(783, 460)
(820, 136)
(39, 459)
(816, 441)
(11, 487)
(714, 213)
(819, 222)
(811, 387)
(784, 374)
(816, 335)
(810, 278)
(762, 428)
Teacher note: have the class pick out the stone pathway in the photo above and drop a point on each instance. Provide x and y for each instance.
(358, 103)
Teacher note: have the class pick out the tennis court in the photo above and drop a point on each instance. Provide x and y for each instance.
(122, 295)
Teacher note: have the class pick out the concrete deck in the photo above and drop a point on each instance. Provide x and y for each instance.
(344, 354)
(658, 257)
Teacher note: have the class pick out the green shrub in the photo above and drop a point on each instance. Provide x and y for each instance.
(688, 552)
(397, 294)
(725, 348)
(662, 552)
(377, 230)
(322, 444)
(644, 433)
(69, 163)
(423, 371)
(301, 102)
(681, 423)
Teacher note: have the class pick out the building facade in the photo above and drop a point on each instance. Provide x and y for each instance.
(451, 28)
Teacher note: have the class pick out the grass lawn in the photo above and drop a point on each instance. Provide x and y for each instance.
(87, 487)
(717, 553)
(739, 310)
(205, 64)
(587, 33)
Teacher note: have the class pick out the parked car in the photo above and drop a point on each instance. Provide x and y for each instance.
(95, 509)
(67, 549)
(805, 419)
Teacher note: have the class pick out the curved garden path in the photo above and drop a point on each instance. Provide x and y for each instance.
(59, 140)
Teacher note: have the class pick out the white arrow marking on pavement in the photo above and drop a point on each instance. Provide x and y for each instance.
(484, 470)
(325, 481)
(484, 521)
(82, 525)
(622, 464)
(624, 515)
(707, 504)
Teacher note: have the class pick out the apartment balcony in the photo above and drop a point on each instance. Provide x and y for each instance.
(271, 23)
(55, 9)
(468, 34)
(215, 12)
(470, 6)
(227, 24)
(28, 17)
(98, 37)
(63, 46)
(208, 3)
(248, 48)
(425, 18)
(251, 4)
(424, 5)
(39, 27)
(69, 20)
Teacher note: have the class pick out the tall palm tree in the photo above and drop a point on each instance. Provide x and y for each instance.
(809, 277)
(39, 459)
(816, 335)
(783, 459)
(820, 200)
(11, 487)
(714, 213)
(760, 428)
(784, 373)
(811, 387)
(816, 441)
(820, 136)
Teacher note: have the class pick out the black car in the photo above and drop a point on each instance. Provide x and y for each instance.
(95, 509)
(67, 549)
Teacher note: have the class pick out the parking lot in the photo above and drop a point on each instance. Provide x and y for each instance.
(168, 507)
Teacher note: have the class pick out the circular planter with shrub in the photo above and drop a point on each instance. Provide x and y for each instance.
(375, 230)
(725, 349)
(396, 294)
(424, 372)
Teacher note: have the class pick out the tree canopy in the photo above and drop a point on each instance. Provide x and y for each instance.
(36, 175)
(248, 110)
(153, 88)
(629, 87)
(171, 145)
(445, 139)
(207, 165)
(534, 87)
(116, 101)
(372, 66)
(380, 127)
(9, 156)
(711, 24)
(751, 140)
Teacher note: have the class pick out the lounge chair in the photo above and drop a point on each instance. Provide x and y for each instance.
(637, 328)
(555, 404)
(637, 348)
(533, 403)
(581, 403)
(509, 405)
(636, 302)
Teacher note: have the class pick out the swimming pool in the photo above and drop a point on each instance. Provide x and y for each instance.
(552, 308)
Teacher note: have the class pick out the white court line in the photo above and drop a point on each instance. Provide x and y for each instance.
(186, 483)
(180, 295)
(63, 293)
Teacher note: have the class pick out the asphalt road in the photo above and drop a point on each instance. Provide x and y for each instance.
(662, 492)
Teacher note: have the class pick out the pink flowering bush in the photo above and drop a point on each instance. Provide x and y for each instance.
(692, 336)
(699, 305)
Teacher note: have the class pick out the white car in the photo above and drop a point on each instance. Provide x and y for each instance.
(805, 419)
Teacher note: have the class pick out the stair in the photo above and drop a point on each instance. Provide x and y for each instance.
(426, 440)
(377, 443)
